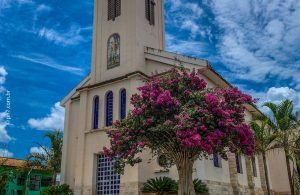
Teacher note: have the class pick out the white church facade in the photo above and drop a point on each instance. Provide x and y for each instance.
(128, 46)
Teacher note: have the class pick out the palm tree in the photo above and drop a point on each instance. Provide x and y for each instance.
(264, 139)
(49, 158)
(166, 185)
(200, 187)
(284, 122)
(160, 186)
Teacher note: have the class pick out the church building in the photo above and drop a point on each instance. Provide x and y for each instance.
(128, 46)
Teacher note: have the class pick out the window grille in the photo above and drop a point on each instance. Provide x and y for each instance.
(113, 9)
(150, 11)
(46, 181)
(110, 9)
(118, 8)
(21, 181)
(35, 182)
(108, 181)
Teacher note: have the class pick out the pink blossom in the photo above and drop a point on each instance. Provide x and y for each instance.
(178, 105)
(137, 111)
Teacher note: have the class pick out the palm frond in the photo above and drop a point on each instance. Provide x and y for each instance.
(264, 138)
(50, 158)
(285, 108)
(272, 107)
(199, 186)
(160, 185)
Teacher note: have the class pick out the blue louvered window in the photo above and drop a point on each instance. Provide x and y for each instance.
(238, 160)
(122, 104)
(96, 112)
(109, 108)
(254, 171)
(217, 160)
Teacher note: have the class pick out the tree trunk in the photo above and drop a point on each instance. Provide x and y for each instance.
(185, 172)
(289, 172)
(266, 173)
(54, 179)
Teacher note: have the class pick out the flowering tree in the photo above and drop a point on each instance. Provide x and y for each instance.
(178, 116)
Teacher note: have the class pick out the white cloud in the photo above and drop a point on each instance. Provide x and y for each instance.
(259, 39)
(43, 7)
(71, 37)
(49, 62)
(275, 95)
(39, 150)
(4, 4)
(190, 25)
(3, 75)
(185, 46)
(25, 1)
(5, 153)
(4, 123)
(4, 117)
(55, 120)
(184, 16)
(195, 8)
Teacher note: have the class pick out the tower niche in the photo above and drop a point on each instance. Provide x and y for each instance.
(122, 29)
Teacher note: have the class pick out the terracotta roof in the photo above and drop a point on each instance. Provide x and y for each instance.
(11, 162)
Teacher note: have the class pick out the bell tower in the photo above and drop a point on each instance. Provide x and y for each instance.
(122, 28)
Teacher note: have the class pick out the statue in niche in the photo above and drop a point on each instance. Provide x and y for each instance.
(113, 51)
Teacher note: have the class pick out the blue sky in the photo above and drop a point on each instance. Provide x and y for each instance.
(45, 50)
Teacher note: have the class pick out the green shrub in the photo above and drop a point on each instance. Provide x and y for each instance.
(160, 185)
(58, 190)
(164, 185)
(200, 187)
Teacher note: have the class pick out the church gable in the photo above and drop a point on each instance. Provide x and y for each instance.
(74, 93)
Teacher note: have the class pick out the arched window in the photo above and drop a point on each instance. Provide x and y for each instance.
(217, 160)
(122, 104)
(109, 109)
(113, 51)
(254, 171)
(96, 112)
(239, 167)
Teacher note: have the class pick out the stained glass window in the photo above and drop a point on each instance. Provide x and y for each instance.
(109, 108)
(96, 112)
(113, 51)
(108, 181)
(122, 104)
